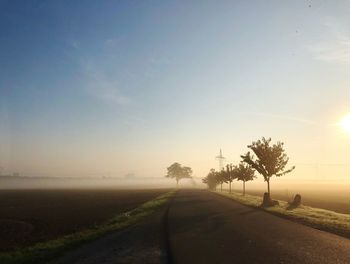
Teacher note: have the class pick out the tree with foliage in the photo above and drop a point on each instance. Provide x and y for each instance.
(230, 175)
(221, 178)
(178, 172)
(211, 179)
(244, 173)
(270, 159)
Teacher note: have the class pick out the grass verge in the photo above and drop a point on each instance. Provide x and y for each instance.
(42, 252)
(315, 217)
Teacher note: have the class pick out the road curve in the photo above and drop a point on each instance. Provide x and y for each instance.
(204, 227)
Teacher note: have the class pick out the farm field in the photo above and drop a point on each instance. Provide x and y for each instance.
(30, 216)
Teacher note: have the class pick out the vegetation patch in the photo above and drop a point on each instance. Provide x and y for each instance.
(315, 217)
(42, 252)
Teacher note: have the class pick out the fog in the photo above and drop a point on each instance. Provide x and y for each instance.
(327, 195)
(12, 182)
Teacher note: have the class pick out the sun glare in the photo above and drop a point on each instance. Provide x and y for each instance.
(345, 123)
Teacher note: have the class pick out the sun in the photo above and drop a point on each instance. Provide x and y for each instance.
(345, 123)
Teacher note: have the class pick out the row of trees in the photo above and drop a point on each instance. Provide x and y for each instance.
(241, 172)
(267, 159)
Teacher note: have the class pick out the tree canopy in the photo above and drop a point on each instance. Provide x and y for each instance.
(211, 179)
(270, 159)
(178, 172)
(244, 173)
(230, 175)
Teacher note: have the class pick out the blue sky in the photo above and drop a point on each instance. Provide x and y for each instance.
(95, 87)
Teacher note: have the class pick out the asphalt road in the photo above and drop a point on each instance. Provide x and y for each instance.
(202, 227)
(207, 228)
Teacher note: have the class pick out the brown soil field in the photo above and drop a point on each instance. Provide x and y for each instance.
(30, 216)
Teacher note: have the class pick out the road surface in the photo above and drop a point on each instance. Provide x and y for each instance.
(207, 228)
(203, 227)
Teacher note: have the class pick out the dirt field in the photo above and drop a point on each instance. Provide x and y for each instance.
(30, 216)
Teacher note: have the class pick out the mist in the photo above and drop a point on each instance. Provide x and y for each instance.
(37, 183)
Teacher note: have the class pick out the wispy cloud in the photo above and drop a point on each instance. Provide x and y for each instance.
(284, 117)
(102, 87)
(75, 44)
(336, 48)
(112, 42)
(153, 60)
(337, 51)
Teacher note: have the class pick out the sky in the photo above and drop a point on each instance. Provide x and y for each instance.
(107, 88)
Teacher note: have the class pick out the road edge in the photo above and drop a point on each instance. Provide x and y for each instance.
(326, 228)
(43, 252)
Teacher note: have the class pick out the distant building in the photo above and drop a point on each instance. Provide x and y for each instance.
(15, 174)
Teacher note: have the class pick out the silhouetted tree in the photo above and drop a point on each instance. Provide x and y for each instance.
(211, 179)
(270, 159)
(244, 172)
(187, 172)
(230, 175)
(177, 172)
(221, 178)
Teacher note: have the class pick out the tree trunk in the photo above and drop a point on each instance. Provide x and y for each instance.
(230, 186)
(243, 188)
(268, 186)
(177, 183)
(221, 186)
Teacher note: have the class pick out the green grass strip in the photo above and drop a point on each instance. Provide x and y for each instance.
(315, 217)
(42, 252)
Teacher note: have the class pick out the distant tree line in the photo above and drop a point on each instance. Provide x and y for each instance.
(240, 172)
(267, 159)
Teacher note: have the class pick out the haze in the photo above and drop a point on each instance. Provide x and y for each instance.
(109, 88)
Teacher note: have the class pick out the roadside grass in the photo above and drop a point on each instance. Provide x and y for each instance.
(45, 251)
(315, 217)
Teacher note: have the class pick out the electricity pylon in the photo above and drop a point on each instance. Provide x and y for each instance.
(221, 159)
